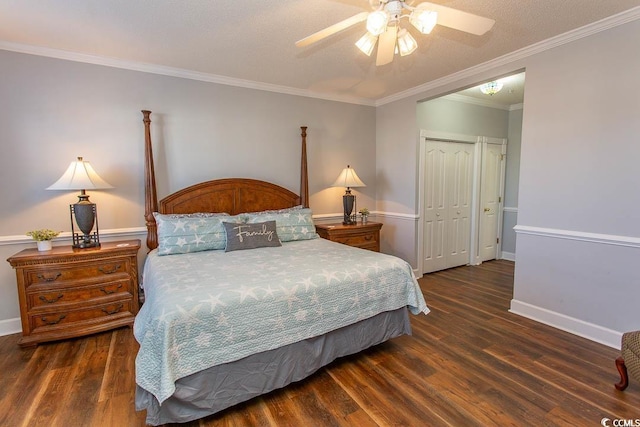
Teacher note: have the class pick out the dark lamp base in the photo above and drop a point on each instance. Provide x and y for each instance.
(348, 201)
(86, 241)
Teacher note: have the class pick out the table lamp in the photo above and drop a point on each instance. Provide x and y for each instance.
(348, 178)
(81, 176)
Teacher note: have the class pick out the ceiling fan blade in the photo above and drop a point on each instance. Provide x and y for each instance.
(459, 20)
(386, 46)
(342, 25)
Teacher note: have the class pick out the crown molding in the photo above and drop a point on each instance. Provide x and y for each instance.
(476, 101)
(176, 72)
(568, 37)
(483, 103)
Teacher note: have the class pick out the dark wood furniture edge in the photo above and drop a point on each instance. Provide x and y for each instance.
(34, 257)
(67, 258)
(150, 195)
(304, 176)
(44, 337)
(345, 234)
(354, 227)
(624, 375)
(289, 198)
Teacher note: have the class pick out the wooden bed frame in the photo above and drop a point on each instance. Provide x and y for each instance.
(214, 389)
(230, 195)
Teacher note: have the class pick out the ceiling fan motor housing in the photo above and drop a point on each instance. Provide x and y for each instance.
(394, 9)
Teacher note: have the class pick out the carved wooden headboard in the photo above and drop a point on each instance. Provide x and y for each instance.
(231, 195)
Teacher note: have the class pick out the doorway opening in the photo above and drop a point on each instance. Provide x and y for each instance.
(467, 181)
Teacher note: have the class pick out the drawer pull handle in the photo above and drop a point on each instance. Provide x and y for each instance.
(53, 322)
(368, 237)
(111, 291)
(114, 311)
(48, 278)
(52, 300)
(110, 270)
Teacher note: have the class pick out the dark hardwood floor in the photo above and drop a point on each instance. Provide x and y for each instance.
(469, 363)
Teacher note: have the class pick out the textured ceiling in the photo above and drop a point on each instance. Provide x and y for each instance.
(253, 40)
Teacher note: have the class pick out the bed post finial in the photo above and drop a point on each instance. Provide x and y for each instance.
(304, 177)
(150, 197)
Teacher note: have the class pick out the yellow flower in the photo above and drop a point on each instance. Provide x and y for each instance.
(43, 234)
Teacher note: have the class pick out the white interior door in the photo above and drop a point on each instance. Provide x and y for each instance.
(447, 208)
(491, 193)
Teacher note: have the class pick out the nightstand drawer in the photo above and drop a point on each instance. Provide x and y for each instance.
(104, 270)
(359, 240)
(42, 322)
(64, 295)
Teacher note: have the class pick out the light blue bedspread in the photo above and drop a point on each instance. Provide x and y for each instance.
(207, 308)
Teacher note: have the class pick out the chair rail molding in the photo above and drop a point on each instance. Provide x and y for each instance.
(607, 239)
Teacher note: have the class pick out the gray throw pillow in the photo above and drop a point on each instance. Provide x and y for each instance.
(251, 236)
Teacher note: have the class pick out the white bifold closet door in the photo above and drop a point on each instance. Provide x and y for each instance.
(448, 194)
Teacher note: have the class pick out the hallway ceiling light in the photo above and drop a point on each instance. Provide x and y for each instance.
(491, 88)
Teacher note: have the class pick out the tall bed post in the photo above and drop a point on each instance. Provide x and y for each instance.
(150, 196)
(304, 177)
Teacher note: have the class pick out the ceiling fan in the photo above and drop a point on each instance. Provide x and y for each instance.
(383, 26)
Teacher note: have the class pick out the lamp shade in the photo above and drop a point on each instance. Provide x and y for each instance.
(366, 43)
(406, 43)
(348, 178)
(377, 22)
(80, 176)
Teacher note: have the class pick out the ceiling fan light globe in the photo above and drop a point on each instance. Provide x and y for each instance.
(424, 20)
(406, 43)
(377, 22)
(366, 43)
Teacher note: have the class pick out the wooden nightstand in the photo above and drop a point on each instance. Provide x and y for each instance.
(365, 236)
(67, 293)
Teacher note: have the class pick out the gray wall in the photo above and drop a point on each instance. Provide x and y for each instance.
(54, 110)
(453, 116)
(578, 206)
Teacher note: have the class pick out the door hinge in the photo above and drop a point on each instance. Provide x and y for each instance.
(502, 156)
(500, 199)
(497, 240)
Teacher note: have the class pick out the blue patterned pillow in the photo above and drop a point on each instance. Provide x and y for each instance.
(291, 224)
(181, 234)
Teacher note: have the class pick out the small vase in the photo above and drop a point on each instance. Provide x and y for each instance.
(44, 245)
(364, 218)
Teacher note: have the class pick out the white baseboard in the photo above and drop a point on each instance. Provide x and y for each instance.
(509, 256)
(10, 326)
(565, 323)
